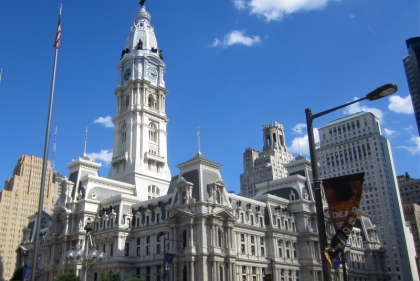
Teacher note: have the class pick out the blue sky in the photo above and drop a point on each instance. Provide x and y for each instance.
(232, 66)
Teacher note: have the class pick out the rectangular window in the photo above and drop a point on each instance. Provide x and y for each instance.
(111, 249)
(127, 249)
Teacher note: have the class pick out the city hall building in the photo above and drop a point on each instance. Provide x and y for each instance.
(140, 211)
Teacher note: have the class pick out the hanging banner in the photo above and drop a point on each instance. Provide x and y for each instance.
(169, 259)
(343, 196)
(27, 273)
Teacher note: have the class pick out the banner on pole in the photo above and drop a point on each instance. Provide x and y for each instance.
(27, 272)
(343, 196)
(169, 259)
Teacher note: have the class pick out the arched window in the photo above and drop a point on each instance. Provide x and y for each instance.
(151, 101)
(152, 132)
(280, 244)
(218, 197)
(153, 191)
(123, 132)
(126, 102)
(184, 197)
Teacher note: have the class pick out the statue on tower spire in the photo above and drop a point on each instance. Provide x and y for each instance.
(142, 2)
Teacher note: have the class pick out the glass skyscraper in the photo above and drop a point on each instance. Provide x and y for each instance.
(412, 71)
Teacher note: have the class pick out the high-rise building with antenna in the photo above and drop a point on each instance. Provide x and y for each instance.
(266, 165)
(19, 200)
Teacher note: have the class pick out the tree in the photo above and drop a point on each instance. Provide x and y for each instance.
(68, 277)
(17, 275)
(110, 277)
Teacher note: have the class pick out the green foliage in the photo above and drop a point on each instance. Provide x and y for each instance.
(17, 275)
(110, 277)
(68, 277)
(134, 279)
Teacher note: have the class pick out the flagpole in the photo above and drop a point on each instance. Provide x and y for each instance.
(45, 158)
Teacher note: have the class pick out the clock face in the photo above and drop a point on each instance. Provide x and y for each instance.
(127, 74)
(152, 73)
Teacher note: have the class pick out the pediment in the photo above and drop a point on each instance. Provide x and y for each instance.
(181, 213)
(224, 213)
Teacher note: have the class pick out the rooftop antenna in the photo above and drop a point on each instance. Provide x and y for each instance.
(297, 130)
(54, 147)
(198, 137)
(86, 133)
(1, 72)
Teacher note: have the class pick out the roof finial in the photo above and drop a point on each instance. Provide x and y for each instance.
(142, 2)
(86, 133)
(198, 136)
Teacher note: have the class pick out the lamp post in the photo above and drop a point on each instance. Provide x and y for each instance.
(381, 92)
(83, 256)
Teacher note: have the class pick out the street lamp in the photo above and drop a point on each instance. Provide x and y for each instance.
(84, 256)
(381, 92)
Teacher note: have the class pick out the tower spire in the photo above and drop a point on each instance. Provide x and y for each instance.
(86, 134)
(297, 130)
(198, 137)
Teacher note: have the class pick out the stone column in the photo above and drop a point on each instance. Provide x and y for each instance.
(191, 271)
(192, 234)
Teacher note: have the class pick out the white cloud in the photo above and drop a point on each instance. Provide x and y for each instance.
(298, 128)
(239, 4)
(357, 107)
(389, 132)
(409, 129)
(275, 10)
(400, 105)
(414, 145)
(236, 37)
(301, 144)
(104, 156)
(106, 121)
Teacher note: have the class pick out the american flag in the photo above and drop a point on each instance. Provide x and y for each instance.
(58, 35)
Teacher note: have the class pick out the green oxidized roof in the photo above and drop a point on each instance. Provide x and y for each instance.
(346, 118)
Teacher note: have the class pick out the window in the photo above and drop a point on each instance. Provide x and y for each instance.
(152, 132)
(124, 132)
(111, 249)
(127, 249)
(280, 244)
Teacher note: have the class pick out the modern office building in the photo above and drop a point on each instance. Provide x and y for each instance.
(412, 71)
(355, 144)
(410, 196)
(19, 200)
(266, 165)
(137, 214)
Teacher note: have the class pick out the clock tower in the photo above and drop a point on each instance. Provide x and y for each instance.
(140, 137)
